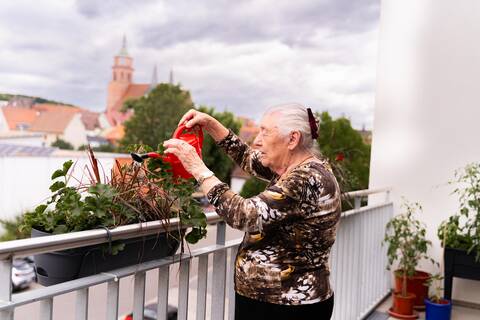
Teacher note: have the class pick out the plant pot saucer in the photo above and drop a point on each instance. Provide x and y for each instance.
(402, 316)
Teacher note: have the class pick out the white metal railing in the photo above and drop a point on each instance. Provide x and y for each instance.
(357, 264)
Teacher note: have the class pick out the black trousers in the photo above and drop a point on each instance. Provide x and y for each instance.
(249, 309)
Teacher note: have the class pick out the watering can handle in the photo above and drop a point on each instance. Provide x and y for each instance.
(180, 128)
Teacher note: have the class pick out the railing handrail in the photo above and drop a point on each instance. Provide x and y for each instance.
(32, 246)
(365, 192)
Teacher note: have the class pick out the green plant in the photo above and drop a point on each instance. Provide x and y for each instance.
(407, 244)
(62, 144)
(134, 193)
(11, 230)
(434, 283)
(462, 230)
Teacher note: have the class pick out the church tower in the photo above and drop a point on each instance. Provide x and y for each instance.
(122, 74)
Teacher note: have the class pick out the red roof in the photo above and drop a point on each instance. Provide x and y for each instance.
(114, 115)
(53, 122)
(19, 116)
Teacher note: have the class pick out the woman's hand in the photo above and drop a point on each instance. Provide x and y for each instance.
(207, 122)
(187, 154)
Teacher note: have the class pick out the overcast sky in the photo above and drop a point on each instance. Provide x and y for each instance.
(240, 56)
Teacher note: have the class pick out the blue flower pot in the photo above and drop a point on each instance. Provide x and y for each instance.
(438, 311)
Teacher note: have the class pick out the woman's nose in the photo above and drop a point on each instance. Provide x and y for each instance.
(257, 142)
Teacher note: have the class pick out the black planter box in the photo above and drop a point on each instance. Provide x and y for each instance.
(459, 264)
(57, 267)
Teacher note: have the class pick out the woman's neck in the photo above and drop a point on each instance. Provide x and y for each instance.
(295, 160)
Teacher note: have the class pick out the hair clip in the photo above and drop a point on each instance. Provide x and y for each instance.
(313, 124)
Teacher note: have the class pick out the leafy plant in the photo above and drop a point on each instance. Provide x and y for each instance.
(434, 283)
(11, 231)
(62, 144)
(407, 244)
(462, 230)
(134, 193)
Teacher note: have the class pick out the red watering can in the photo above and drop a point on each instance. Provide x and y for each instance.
(193, 136)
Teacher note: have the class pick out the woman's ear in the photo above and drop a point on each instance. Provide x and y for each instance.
(294, 140)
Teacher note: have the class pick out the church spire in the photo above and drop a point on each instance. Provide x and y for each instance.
(154, 82)
(123, 50)
(170, 80)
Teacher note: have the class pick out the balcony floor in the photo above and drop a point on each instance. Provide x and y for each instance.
(458, 313)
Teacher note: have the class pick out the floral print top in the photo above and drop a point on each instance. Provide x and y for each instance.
(289, 229)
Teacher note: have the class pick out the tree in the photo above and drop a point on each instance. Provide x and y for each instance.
(156, 115)
(213, 156)
(344, 147)
(62, 144)
(252, 187)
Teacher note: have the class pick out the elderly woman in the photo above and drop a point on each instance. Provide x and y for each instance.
(281, 269)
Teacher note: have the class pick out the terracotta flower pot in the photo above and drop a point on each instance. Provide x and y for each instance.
(415, 285)
(403, 306)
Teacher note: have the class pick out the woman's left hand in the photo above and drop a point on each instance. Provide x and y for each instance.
(187, 154)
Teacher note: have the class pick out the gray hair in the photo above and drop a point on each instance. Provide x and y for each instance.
(294, 117)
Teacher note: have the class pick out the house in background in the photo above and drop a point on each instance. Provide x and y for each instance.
(52, 121)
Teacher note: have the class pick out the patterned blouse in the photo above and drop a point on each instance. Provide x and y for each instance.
(289, 229)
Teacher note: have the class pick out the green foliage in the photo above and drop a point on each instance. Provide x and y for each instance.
(407, 243)
(214, 157)
(102, 148)
(8, 96)
(11, 230)
(134, 194)
(62, 144)
(339, 140)
(434, 283)
(156, 115)
(462, 230)
(252, 187)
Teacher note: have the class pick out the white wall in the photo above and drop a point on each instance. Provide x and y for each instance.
(30, 140)
(75, 132)
(237, 184)
(427, 113)
(25, 181)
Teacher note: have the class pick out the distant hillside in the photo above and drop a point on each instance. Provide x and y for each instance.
(8, 96)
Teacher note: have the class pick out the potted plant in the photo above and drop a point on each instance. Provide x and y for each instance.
(407, 245)
(134, 193)
(437, 308)
(460, 233)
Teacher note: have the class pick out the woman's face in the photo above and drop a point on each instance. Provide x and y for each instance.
(272, 146)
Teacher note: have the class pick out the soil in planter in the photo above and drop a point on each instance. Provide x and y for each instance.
(415, 285)
(57, 267)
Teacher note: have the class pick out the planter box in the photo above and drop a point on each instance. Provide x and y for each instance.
(57, 267)
(459, 264)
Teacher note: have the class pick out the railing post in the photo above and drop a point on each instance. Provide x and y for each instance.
(357, 202)
(139, 296)
(6, 286)
(46, 309)
(183, 289)
(219, 275)
(81, 310)
(202, 287)
(112, 299)
(162, 299)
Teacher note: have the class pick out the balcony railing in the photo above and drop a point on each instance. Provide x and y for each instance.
(357, 265)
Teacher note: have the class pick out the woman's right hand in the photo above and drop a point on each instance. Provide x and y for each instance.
(206, 121)
(194, 117)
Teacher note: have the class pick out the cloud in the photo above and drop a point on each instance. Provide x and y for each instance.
(243, 56)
